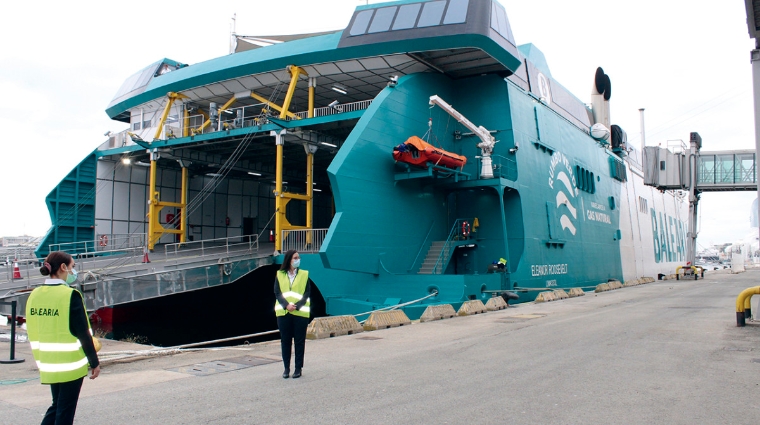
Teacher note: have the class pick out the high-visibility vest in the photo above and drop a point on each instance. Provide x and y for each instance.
(59, 354)
(293, 293)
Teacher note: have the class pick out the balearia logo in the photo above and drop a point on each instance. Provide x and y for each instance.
(561, 171)
(544, 88)
(669, 235)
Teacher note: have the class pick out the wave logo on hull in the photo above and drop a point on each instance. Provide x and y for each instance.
(566, 192)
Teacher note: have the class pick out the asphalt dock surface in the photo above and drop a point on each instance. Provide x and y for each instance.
(667, 352)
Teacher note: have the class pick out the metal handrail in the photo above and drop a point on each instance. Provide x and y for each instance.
(457, 223)
(252, 245)
(303, 240)
(504, 167)
(102, 244)
(134, 253)
(177, 128)
(422, 246)
(210, 248)
(338, 109)
(21, 261)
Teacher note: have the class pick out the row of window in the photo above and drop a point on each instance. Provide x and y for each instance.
(585, 180)
(139, 126)
(643, 205)
(408, 16)
(146, 124)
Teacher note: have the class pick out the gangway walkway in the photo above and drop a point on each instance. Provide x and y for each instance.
(733, 170)
(174, 268)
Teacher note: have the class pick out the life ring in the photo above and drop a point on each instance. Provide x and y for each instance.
(103, 240)
(465, 229)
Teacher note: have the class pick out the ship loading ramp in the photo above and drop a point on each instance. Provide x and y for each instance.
(127, 274)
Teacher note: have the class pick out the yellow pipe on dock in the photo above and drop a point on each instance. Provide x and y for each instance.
(742, 301)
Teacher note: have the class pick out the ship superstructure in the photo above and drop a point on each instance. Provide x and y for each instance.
(295, 140)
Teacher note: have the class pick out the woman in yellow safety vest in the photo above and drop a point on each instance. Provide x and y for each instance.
(61, 338)
(292, 307)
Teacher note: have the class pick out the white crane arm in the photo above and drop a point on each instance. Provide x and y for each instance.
(487, 141)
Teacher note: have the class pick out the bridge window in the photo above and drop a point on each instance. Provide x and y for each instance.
(431, 14)
(361, 22)
(499, 21)
(457, 12)
(407, 16)
(383, 19)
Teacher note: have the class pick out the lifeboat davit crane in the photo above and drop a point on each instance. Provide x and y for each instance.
(487, 141)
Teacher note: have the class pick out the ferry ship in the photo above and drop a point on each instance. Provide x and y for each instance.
(288, 143)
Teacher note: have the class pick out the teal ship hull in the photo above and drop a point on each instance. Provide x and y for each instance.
(561, 209)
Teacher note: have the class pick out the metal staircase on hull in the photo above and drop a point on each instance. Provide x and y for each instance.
(433, 254)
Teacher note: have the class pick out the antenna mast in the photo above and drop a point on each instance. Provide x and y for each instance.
(233, 34)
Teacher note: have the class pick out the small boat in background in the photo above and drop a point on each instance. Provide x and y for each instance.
(416, 151)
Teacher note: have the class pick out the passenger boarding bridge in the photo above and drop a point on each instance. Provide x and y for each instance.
(720, 171)
(691, 170)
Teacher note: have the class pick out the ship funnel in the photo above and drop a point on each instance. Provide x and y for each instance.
(600, 98)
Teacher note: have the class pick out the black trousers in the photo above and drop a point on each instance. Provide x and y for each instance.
(65, 398)
(292, 328)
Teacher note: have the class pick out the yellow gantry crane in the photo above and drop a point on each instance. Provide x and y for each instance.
(155, 205)
(282, 198)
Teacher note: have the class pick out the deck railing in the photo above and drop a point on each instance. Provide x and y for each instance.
(231, 118)
(337, 109)
(504, 167)
(125, 258)
(211, 248)
(103, 243)
(303, 240)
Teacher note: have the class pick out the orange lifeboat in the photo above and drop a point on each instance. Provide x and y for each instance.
(416, 151)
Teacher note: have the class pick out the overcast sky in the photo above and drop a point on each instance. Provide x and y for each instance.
(686, 62)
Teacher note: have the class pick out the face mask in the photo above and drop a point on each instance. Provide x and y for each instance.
(72, 277)
(296, 263)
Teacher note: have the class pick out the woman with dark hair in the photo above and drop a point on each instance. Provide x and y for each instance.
(61, 338)
(292, 307)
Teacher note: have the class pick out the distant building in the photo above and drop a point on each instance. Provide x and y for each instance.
(16, 240)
